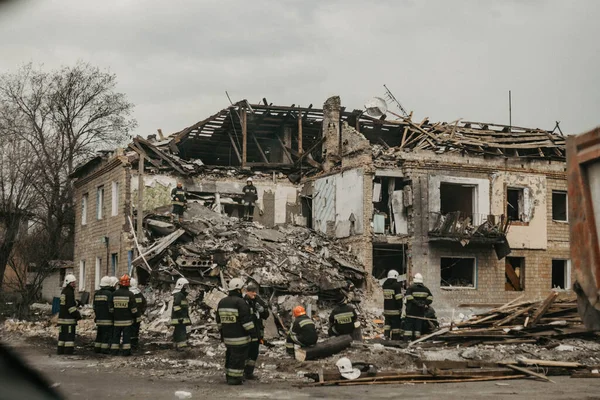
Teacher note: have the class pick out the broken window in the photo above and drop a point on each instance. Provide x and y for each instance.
(561, 274)
(114, 261)
(457, 272)
(515, 274)
(100, 202)
(390, 216)
(457, 197)
(515, 204)
(84, 209)
(388, 257)
(559, 206)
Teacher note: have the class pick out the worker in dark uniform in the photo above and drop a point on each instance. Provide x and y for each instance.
(125, 312)
(259, 311)
(67, 317)
(343, 319)
(140, 300)
(430, 324)
(180, 316)
(392, 306)
(418, 298)
(303, 332)
(249, 199)
(104, 319)
(237, 330)
(179, 201)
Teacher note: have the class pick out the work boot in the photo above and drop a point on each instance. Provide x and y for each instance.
(234, 381)
(60, 350)
(251, 377)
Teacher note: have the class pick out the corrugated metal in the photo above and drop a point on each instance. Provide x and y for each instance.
(324, 203)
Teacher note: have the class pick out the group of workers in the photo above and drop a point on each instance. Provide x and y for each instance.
(118, 307)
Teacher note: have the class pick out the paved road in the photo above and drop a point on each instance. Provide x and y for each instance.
(78, 380)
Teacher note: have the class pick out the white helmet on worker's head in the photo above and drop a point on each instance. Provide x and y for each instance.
(181, 283)
(393, 274)
(114, 281)
(345, 367)
(236, 284)
(105, 281)
(418, 278)
(133, 283)
(69, 279)
(249, 179)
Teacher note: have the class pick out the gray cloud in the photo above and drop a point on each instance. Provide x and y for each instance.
(442, 59)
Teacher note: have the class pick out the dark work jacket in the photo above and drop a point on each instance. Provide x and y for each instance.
(124, 307)
(250, 195)
(68, 314)
(418, 296)
(181, 309)
(140, 300)
(342, 319)
(259, 311)
(392, 297)
(178, 197)
(102, 307)
(235, 321)
(304, 331)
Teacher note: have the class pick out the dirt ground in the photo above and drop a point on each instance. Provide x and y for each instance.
(159, 373)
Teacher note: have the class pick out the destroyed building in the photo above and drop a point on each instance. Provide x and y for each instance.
(479, 209)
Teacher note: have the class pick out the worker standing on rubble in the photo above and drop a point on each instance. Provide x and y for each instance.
(103, 317)
(259, 311)
(125, 312)
(303, 332)
(180, 316)
(237, 330)
(179, 201)
(249, 199)
(392, 306)
(343, 319)
(67, 317)
(140, 300)
(418, 299)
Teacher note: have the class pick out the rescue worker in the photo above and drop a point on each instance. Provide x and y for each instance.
(114, 281)
(103, 317)
(179, 201)
(180, 316)
(418, 298)
(67, 317)
(125, 312)
(343, 319)
(140, 300)
(237, 331)
(249, 199)
(392, 306)
(303, 332)
(259, 311)
(430, 324)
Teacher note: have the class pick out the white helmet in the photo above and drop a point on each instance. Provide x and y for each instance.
(133, 283)
(249, 180)
(114, 281)
(105, 281)
(418, 278)
(69, 279)
(393, 274)
(181, 282)
(345, 367)
(236, 283)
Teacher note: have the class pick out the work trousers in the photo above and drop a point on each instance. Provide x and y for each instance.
(135, 335)
(393, 327)
(235, 362)
(412, 328)
(66, 339)
(253, 350)
(180, 336)
(118, 333)
(103, 338)
(289, 346)
(248, 211)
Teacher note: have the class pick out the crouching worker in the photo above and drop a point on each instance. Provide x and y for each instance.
(303, 332)
(67, 317)
(125, 312)
(140, 300)
(259, 311)
(180, 316)
(104, 319)
(343, 320)
(237, 329)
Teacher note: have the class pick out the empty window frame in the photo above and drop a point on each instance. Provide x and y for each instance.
(457, 197)
(84, 209)
(559, 206)
(515, 274)
(458, 272)
(100, 202)
(114, 262)
(561, 274)
(115, 198)
(515, 203)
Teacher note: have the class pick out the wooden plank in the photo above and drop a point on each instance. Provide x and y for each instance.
(537, 315)
(260, 150)
(425, 381)
(530, 373)
(549, 363)
(300, 131)
(244, 135)
(285, 150)
(434, 334)
(514, 315)
(515, 281)
(237, 152)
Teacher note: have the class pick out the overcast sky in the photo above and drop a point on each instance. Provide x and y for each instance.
(442, 59)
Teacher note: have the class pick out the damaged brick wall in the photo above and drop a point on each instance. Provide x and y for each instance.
(331, 132)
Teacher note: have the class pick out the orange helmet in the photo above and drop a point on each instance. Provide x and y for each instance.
(125, 281)
(298, 311)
